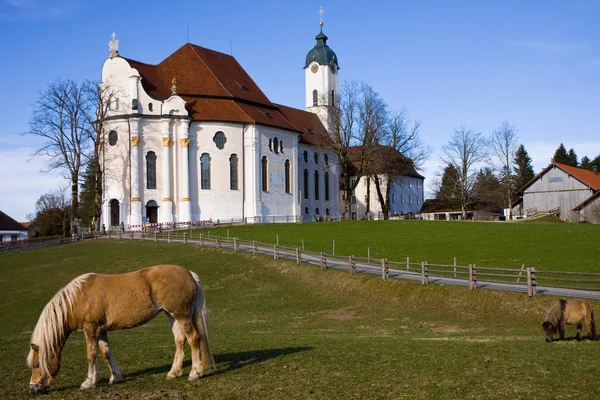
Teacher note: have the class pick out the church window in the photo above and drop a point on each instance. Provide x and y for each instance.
(276, 145)
(402, 198)
(315, 98)
(220, 140)
(270, 144)
(205, 171)
(288, 168)
(114, 212)
(409, 183)
(327, 211)
(305, 156)
(316, 158)
(410, 199)
(117, 103)
(233, 172)
(326, 186)
(306, 210)
(281, 146)
(150, 170)
(317, 211)
(150, 106)
(326, 159)
(332, 97)
(306, 184)
(418, 199)
(316, 185)
(265, 173)
(112, 138)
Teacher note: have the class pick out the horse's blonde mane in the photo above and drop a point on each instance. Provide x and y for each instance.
(49, 331)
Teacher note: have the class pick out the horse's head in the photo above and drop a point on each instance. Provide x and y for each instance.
(549, 330)
(42, 371)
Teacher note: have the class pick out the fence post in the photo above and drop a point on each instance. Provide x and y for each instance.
(169, 237)
(254, 247)
(155, 236)
(184, 238)
(274, 252)
(217, 245)
(323, 261)
(455, 267)
(236, 245)
(297, 255)
(529, 285)
(384, 269)
(351, 265)
(472, 277)
(533, 282)
(201, 239)
(424, 276)
(407, 263)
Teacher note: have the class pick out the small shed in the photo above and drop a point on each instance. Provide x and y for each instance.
(11, 230)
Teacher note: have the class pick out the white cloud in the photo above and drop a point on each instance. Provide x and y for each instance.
(23, 183)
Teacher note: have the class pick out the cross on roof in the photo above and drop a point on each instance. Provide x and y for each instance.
(321, 11)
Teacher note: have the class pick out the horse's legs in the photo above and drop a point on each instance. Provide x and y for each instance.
(561, 330)
(91, 341)
(115, 372)
(179, 334)
(579, 328)
(193, 338)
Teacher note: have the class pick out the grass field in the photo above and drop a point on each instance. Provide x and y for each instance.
(283, 331)
(556, 246)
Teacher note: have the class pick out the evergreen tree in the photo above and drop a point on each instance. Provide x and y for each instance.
(87, 197)
(523, 168)
(595, 162)
(487, 187)
(449, 188)
(560, 155)
(572, 158)
(586, 163)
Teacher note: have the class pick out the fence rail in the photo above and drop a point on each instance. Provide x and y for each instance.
(527, 279)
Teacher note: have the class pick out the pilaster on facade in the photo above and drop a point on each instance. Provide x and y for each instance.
(253, 201)
(166, 208)
(184, 203)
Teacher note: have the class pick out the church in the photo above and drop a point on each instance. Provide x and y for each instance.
(194, 138)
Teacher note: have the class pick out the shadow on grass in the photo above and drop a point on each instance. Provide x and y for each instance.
(231, 361)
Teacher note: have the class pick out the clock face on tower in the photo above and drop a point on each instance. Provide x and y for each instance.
(314, 68)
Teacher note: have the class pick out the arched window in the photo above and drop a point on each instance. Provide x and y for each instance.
(316, 185)
(332, 97)
(150, 170)
(315, 98)
(114, 212)
(233, 172)
(265, 173)
(326, 159)
(270, 144)
(205, 171)
(316, 158)
(288, 188)
(281, 146)
(276, 145)
(150, 107)
(326, 186)
(306, 184)
(305, 156)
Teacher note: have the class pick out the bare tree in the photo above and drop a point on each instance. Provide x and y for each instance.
(504, 144)
(52, 212)
(356, 122)
(464, 151)
(408, 153)
(59, 120)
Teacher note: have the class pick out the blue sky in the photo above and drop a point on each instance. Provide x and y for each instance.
(449, 63)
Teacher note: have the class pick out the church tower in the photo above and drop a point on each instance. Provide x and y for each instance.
(321, 74)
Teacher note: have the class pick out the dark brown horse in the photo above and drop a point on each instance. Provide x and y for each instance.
(572, 312)
(95, 304)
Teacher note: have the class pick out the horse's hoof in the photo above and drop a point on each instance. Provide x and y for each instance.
(174, 375)
(116, 379)
(193, 376)
(87, 385)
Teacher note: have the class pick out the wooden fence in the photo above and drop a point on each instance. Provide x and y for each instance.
(526, 279)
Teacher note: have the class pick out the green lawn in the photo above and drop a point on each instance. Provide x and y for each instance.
(283, 331)
(556, 246)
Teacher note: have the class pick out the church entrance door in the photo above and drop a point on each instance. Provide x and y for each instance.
(114, 212)
(151, 212)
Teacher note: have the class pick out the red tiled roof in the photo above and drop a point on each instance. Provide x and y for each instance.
(583, 175)
(308, 123)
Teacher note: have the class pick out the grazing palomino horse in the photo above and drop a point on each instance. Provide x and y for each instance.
(572, 312)
(95, 304)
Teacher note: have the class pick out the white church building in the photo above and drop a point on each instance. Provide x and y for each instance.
(193, 138)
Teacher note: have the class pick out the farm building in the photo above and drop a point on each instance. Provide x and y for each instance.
(450, 210)
(569, 192)
(11, 230)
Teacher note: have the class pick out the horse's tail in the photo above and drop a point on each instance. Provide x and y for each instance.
(201, 322)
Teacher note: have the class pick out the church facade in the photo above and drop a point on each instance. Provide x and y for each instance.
(193, 138)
